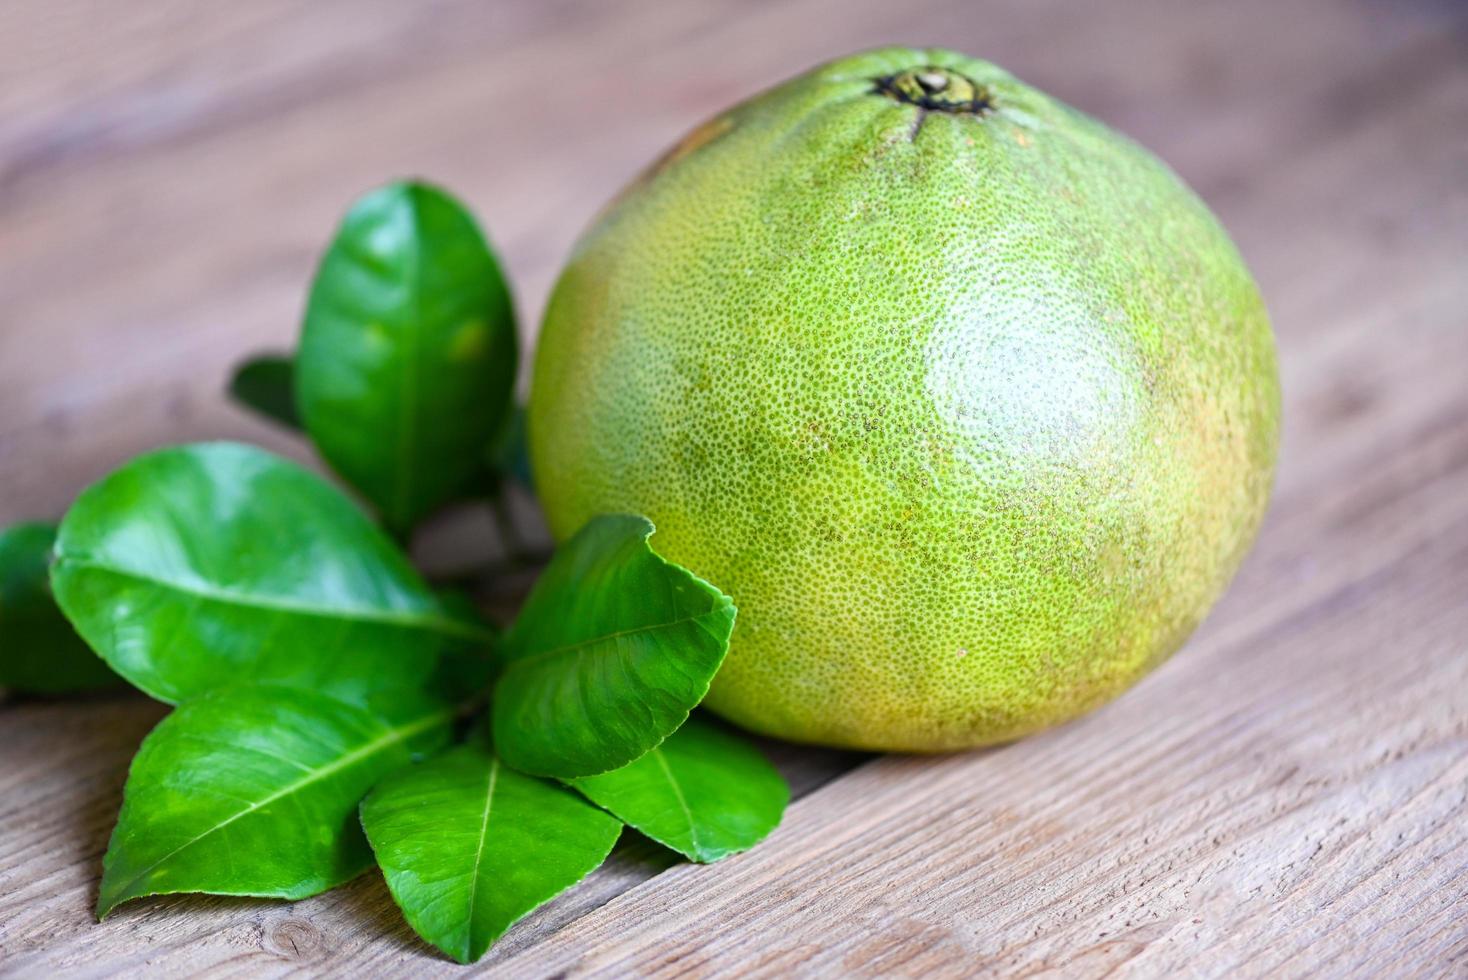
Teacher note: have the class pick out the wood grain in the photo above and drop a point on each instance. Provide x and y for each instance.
(1288, 797)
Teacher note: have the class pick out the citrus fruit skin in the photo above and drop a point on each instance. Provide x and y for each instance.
(966, 399)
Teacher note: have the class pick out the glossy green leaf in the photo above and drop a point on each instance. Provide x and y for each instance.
(704, 792)
(266, 383)
(253, 790)
(39, 651)
(408, 353)
(613, 648)
(469, 846)
(200, 566)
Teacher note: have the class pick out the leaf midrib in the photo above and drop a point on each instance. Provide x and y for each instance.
(436, 624)
(391, 737)
(494, 774)
(682, 800)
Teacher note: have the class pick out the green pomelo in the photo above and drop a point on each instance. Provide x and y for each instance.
(966, 399)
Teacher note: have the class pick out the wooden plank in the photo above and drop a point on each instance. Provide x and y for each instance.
(1286, 797)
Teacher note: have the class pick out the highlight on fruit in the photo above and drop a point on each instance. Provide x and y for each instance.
(900, 407)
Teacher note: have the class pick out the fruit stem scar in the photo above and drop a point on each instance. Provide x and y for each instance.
(932, 81)
(937, 90)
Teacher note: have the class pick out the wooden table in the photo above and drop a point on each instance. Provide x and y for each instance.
(1288, 796)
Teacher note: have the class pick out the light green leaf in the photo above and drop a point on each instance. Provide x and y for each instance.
(469, 846)
(613, 648)
(254, 790)
(704, 792)
(206, 565)
(266, 384)
(39, 651)
(407, 359)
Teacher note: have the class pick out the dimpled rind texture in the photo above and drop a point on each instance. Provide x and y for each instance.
(973, 415)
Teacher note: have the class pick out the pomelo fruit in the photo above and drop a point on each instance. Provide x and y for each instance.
(966, 399)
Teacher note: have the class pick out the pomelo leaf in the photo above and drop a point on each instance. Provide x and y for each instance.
(469, 846)
(462, 675)
(406, 367)
(253, 790)
(39, 651)
(612, 650)
(202, 566)
(704, 792)
(509, 457)
(266, 384)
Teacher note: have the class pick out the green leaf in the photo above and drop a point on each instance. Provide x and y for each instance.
(704, 792)
(469, 846)
(613, 648)
(408, 353)
(39, 651)
(510, 455)
(254, 790)
(206, 565)
(462, 676)
(266, 383)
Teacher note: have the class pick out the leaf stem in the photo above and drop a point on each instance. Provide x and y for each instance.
(504, 523)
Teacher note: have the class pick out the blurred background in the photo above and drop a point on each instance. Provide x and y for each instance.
(169, 170)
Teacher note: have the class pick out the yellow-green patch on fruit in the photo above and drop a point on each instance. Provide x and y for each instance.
(966, 399)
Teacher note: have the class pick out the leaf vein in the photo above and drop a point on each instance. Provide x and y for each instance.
(436, 624)
(494, 773)
(682, 801)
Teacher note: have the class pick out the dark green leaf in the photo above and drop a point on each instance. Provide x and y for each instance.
(39, 651)
(266, 383)
(704, 792)
(462, 676)
(206, 565)
(254, 790)
(613, 648)
(510, 457)
(469, 846)
(407, 359)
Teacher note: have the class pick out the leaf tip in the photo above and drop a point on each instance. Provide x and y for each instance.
(460, 952)
(108, 899)
(473, 949)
